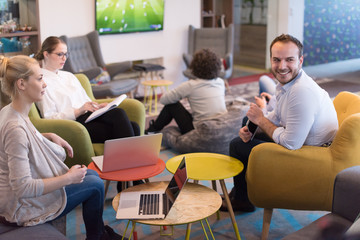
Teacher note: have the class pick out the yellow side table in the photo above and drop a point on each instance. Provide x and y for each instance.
(210, 166)
(153, 84)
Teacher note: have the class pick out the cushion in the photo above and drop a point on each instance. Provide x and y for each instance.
(103, 77)
(212, 135)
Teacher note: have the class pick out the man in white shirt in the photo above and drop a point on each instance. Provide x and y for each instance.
(303, 115)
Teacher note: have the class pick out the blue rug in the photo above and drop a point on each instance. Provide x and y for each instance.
(283, 221)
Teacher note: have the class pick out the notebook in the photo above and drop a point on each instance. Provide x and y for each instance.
(130, 152)
(152, 204)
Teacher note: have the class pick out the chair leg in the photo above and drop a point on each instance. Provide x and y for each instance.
(266, 223)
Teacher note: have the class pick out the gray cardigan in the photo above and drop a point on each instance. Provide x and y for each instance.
(26, 157)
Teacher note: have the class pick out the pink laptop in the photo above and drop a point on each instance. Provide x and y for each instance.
(129, 152)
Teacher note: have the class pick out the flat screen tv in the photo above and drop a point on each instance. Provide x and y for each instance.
(125, 16)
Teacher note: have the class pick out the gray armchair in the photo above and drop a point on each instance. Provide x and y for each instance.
(86, 58)
(219, 40)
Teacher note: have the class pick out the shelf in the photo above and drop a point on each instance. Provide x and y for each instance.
(19, 34)
(208, 15)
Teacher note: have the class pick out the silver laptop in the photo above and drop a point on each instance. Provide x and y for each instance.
(152, 204)
(130, 152)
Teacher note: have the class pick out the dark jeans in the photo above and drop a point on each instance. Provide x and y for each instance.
(111, 125)
(241, 151)
(175, 111)
(89, 193)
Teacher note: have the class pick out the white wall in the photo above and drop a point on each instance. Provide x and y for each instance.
(77, 17)
(284, 16)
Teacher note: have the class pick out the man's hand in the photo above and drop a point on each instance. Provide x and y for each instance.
(59, 141)
(245, 134)
(255, 113)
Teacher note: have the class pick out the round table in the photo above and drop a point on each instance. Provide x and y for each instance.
(153, 84)
(130, 174)
(194, 203)
(210, 166)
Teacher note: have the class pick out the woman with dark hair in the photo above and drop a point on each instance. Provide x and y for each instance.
(36, 186)
(206, 95)
(65, 98)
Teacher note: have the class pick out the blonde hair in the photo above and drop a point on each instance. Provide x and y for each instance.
(12, 69)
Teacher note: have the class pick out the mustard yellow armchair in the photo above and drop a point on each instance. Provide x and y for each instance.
(303, 179)
(76, 134)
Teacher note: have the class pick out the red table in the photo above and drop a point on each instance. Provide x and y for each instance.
(130, 174)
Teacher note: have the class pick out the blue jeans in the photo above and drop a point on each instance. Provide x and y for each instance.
(89, 193)
(266, 84)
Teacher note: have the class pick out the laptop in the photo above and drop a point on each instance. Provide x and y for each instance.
(130, 152)
(152, 204)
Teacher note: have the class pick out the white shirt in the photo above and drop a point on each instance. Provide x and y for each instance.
(206, 97)
(304, 114)
(63, 95)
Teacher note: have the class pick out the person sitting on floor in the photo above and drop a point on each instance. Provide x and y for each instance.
(36, 186)
(206, 96)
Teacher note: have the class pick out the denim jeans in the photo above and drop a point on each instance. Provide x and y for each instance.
(89, 193)
(266, 84)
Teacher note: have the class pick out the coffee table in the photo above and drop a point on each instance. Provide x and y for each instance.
(210, 166)
(194, 203)
(130, 174)
(153, 84)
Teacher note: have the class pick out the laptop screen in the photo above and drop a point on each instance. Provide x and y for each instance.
(176, 184)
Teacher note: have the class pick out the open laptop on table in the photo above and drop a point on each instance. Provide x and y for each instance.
(152, 204)
(130, 152)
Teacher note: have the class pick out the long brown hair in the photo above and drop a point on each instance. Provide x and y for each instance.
(49, 46)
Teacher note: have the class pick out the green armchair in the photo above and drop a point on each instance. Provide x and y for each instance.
(76, 134)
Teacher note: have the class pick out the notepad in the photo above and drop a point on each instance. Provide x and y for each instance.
(108, 107)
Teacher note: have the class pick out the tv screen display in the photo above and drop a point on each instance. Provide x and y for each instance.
(124, 16)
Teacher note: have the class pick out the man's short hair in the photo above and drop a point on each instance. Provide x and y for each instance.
(288, 38)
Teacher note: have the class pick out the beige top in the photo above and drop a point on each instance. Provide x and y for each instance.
(26, 157)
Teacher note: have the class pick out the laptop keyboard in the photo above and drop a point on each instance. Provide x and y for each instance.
(149, 204)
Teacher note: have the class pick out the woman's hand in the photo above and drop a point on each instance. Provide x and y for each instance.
(61, 142)
(87, 107)
(76, 174)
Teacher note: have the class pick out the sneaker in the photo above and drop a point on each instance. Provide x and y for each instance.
(238, 206)
(110, 234)
(151, 129)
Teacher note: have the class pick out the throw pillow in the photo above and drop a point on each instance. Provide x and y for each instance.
(103, 77)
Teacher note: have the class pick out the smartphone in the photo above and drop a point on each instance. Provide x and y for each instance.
(252, 128)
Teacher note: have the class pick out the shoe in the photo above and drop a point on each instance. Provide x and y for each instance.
(151, 129)
(138, 182)
(231, 194)
(238, 206)
(110, 234)
(119, 184)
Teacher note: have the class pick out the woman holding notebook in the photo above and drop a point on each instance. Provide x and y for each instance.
(65, 98)
(36, 186)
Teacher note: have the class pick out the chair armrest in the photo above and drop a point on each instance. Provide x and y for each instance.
(300, 180)
(187, 59)
(74, 133)
(134, 109)
(347, 193)
(116, 68)
(92, 72)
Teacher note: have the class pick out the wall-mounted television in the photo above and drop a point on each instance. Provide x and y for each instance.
(125, 16)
